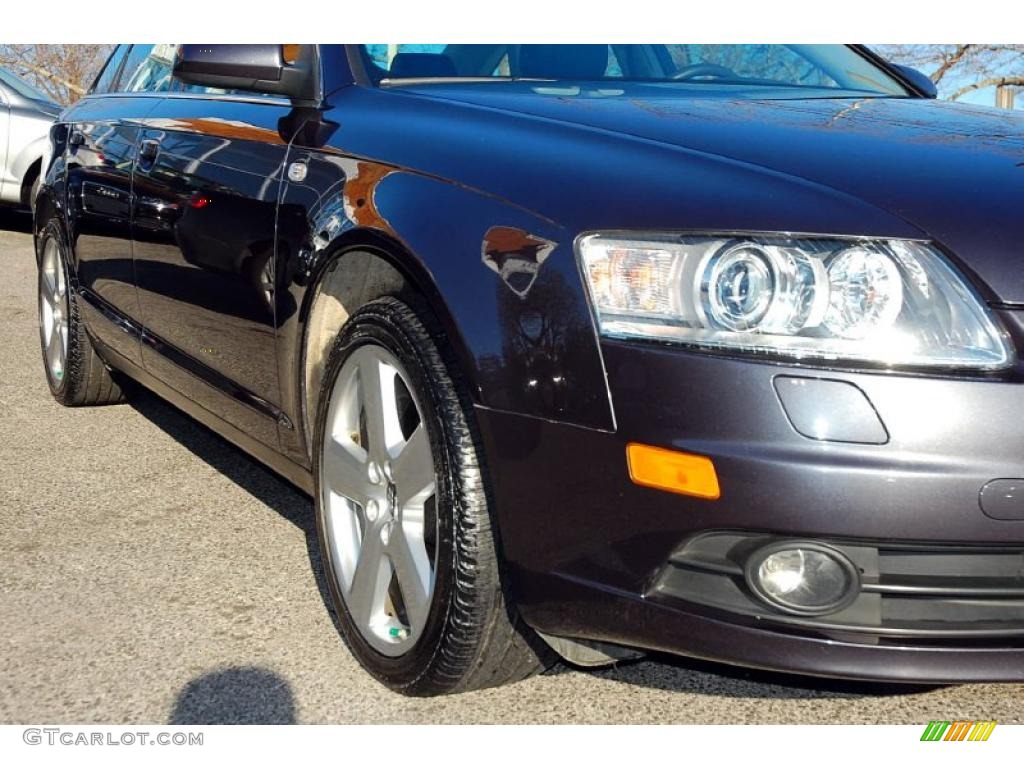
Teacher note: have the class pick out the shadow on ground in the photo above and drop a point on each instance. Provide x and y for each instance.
(278, 494)
(666, 672)
(657, 671)
(235, 696)
(14, 220)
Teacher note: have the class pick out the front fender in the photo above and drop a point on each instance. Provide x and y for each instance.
(510, 284)
(52, 190)
(502, 281)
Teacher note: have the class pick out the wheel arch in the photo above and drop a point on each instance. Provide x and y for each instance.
(47, 212)
(49, 204)
(29, 160)
(502, 283)
(358, 267)
(31, 174)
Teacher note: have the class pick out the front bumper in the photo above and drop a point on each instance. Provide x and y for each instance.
(588, 549)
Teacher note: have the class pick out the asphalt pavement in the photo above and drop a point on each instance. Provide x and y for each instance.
(152, 573)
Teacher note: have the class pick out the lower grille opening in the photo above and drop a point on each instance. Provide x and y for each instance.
(909, 594)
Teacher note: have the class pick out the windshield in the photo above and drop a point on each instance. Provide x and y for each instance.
(829, 67)
(19, 86)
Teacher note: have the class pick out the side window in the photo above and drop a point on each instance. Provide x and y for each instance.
(383, 55)
(105, 80)
(147, 69)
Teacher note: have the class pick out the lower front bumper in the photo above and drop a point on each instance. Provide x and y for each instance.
(586, 547)
(585, 610)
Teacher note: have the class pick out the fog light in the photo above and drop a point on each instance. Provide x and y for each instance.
(804, 578)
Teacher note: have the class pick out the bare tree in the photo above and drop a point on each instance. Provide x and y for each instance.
(62, 72)
(961, 68)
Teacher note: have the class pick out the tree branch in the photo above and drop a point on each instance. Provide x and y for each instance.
(948, 62)
(46, 74)
(63, 71)
(988, 82)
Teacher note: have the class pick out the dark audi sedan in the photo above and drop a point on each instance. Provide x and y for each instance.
(579, 349)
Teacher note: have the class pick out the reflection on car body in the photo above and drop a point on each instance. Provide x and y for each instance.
(706, 349)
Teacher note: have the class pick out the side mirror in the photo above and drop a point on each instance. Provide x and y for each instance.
(284, 70)
(919, 80)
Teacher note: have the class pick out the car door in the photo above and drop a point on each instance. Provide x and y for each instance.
(102, 136)
(206, 186)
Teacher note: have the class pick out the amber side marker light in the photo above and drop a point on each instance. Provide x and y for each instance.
(672, 471)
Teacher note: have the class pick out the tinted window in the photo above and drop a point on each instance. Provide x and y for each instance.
(148, 69)
(776, 63)
(136, 55)
(105, 81)
(383, 55)
(688, 67)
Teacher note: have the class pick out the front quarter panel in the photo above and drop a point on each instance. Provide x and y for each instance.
(502, 281)
(511, 285)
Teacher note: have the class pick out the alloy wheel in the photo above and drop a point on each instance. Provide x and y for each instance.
(378, 493)
(53, 311)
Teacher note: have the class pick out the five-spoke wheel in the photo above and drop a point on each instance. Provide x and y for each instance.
(53, 311)
(379, 499)
(74, 371)
(403, 517)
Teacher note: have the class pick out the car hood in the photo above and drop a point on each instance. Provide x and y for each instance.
(954, 172)
(48, 108)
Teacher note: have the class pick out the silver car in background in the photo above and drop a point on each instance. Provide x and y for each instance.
(25, 118)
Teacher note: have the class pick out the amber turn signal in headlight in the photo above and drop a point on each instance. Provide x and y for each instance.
(672, 471)
(880, 301)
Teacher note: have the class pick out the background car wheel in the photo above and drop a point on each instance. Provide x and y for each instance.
(74, 371)
(408, 541)
(33, 192)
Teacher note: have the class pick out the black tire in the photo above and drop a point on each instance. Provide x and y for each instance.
(33, 191)
(86, 379)
(473, 637)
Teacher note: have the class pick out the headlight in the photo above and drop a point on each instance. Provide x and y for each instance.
(894, 302)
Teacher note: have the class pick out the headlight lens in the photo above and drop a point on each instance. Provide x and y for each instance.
(894, 302)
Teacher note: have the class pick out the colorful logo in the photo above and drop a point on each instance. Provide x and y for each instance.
(958, 730)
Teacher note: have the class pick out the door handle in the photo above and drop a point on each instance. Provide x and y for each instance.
(148, 150)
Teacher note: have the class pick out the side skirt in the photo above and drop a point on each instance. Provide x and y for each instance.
(288, 469)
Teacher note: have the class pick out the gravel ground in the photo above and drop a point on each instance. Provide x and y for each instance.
(152, 573)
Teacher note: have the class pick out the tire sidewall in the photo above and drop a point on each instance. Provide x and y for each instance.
(386, 328)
